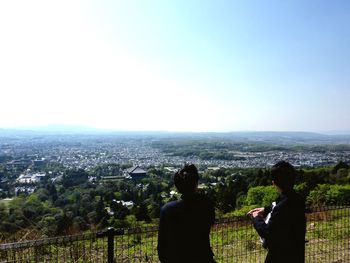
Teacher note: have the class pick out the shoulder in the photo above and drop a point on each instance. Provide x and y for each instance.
(291, 200)
(168, 207)
(171, 205)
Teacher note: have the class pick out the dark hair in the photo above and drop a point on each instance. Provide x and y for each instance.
(283, 175)
(186, 179)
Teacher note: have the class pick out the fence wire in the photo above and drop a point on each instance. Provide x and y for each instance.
(232, 240)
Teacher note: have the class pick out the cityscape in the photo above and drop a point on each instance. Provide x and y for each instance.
(87, 151)
(28, 156)
(21, 151)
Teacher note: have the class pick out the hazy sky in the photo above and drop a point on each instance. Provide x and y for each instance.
(176, 65)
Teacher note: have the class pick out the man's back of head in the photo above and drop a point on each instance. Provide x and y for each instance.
(283, 175)
(186, 179)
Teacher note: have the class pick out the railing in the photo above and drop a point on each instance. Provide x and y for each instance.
(232, 240)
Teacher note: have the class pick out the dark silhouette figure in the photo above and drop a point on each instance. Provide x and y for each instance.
(284, 232)
(184, 225)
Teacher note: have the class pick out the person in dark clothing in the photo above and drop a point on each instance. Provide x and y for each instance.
(184, 225)
(284, 232)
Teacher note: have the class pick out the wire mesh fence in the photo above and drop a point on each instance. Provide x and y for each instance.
(78, 248)
(232, 240)
(328, 235)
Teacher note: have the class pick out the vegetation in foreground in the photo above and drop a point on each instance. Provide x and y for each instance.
(76, 204)
(232, 241)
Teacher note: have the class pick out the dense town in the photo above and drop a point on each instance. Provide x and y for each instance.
(90, 151)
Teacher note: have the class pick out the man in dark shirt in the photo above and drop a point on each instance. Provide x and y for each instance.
(284, 232)
(184, 225)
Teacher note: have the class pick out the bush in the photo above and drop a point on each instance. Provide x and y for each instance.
(242, 212)
(325, 194)
(338, 195)
(261, 195)
(317, 197)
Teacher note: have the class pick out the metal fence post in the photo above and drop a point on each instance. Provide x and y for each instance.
(110, 251)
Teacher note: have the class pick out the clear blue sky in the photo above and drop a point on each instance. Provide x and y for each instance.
(176, 65)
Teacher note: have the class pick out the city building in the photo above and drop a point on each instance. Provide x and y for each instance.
(136, 173)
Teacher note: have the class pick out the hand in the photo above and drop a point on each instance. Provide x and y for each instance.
(256, 212)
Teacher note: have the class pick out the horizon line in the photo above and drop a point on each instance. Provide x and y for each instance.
(86, 129)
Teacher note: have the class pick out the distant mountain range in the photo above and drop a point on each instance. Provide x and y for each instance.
(268, 136)
(57, 128)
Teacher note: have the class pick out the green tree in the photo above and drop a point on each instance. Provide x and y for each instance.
(141, 212)
(338, 195)
(74, 177)
(261, 195)
(317, 197)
